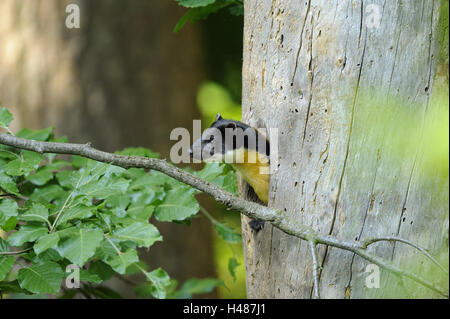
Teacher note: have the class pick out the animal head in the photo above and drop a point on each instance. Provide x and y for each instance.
(225, 139)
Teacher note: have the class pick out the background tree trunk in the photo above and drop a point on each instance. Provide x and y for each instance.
(118, 81)
(307, 68)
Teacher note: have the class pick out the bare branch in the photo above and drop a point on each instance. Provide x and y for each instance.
(18, 196)
(250, 209)
(312, 246)
(370, 241)
(12, 253)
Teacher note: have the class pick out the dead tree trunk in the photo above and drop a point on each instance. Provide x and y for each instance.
(308, 67)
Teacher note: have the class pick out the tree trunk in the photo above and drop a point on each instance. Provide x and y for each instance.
(308, 70)
(118, 81)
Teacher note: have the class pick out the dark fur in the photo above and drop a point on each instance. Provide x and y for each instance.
(221, 124)
(255, 224)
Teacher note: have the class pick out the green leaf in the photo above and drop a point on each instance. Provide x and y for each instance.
(144, 235)
(105, 250)
(211, 171)
(44, 277)
(146, 289)
(142, 213)
(37, 212)
(47, 194)
(3, 245)
(237, 10)
(5, 117)
(79, 161)
(227, 233)
(142, 182)
(27, 233)
(143, 290)
(143, 197)
(178, 205)
(6, 264)
(38, 135)
(138, 151)
(67, 232)
(68, 179)
(86, 276)
(8, 208)
(77, 212)
(10, 224)
(93, 170)
(99, 268)
(232, 265)
(12, 287)
(8, 153)
(8, 184)
(114, 170)
(160, 281)
(195, 3)
(136, 268)
(49, 255)
(220, 175)
(27, 162)
(80, 247)
(105, 187)
(120, 262)
(41, 177)
(229, 183)
(161, 179)
(121, 201)
(199, 13)
(46, 242)
(196, 286)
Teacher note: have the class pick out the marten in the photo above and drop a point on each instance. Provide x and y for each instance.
(242, 146)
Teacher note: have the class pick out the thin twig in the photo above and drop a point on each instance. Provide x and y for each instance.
(114, 246)
(120, 253)
(66, 203)
(8, 130)
(5, 194)
(370, 241)
(250, 209)
(17, 252)
(209, 216)
(316, 267)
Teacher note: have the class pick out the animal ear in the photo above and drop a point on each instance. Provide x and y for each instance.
(232, 125)
(218, 117)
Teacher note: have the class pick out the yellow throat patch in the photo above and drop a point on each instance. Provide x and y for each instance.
(254, 171)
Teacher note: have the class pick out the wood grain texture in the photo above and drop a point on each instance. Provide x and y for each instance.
(308, 70)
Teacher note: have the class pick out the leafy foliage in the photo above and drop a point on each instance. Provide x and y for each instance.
(232, 265)
(5, 117)
(77, 211)
(195, 3)
(201, 9)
